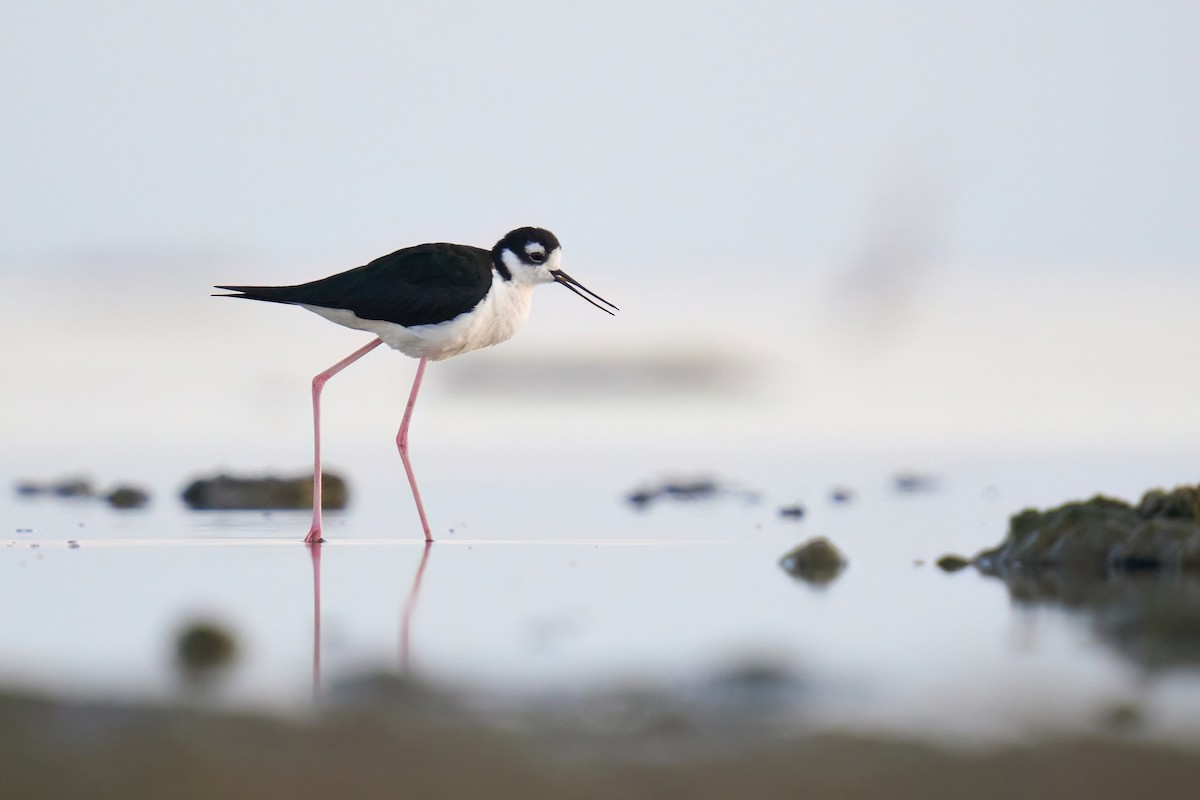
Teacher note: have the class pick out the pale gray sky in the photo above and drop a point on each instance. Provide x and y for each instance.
(929, 222)
(673, 135)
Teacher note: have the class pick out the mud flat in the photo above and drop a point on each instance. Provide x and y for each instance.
(417, 745)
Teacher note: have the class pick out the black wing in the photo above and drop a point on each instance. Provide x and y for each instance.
(419, 285)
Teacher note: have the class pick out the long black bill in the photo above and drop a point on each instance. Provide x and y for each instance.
(581, 290)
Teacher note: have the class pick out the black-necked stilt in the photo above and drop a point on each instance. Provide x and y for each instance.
(431, 302)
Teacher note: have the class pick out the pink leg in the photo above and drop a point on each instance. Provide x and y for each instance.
(402, 446)
(318, 383)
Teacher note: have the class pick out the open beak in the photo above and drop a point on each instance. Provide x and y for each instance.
(581, 290)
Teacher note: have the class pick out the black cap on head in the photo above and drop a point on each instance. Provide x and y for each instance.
(519, 242)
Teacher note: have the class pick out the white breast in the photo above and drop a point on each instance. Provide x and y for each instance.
(497, 317)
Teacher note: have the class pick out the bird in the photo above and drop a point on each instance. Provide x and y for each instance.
(431, 302)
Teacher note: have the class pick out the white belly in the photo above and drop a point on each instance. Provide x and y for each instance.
(497, 317)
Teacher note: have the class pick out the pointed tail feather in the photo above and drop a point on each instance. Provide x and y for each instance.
(270, 294)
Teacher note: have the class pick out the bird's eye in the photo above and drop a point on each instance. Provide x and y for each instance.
(537, 257)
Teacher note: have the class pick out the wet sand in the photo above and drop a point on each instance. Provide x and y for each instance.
(61, 749)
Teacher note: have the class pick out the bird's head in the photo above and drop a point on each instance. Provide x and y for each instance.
(534, 255)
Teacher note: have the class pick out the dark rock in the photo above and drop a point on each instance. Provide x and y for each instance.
(686, 490)
(690, 490)
(914, 482)
(122, 496)
(125, 497)
(1103, 534)
(1131, 571)
(203, 647)
(841, 495)
(63, 487)
(228, 493)
(816, 561)
(795, 511)
(642, 497)
(73, 487)
(952, 563)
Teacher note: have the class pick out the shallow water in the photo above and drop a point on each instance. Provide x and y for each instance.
(550, 585)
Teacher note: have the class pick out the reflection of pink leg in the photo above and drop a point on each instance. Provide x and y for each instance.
(402, 446)
(318, 383)
(409, 606)
(315, 552)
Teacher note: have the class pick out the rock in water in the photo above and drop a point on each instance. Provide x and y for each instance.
(228, 493)
(952, 563)
(816, 562)
(125, 497)
(1162, 532)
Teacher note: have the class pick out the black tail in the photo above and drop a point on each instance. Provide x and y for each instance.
(270, 294)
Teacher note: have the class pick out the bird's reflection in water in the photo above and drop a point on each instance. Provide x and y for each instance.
(406, 614)
(410, 605)
(315, 552)
(1151, 618)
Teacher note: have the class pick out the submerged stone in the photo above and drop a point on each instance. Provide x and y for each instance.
(229, 493)
(816, 562)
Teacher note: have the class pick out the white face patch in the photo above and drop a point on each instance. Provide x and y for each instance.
(535, 249)
(525, 273)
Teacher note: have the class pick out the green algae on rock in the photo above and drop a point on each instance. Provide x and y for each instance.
(1132, 571)
(1162, 532)
(952, 563)
(816, 562)
(229, 493)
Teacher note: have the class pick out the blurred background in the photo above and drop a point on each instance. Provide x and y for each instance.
(828, 224)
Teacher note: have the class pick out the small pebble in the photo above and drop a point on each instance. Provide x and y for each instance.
(952, 563)
(914, 483)
(795, 511)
